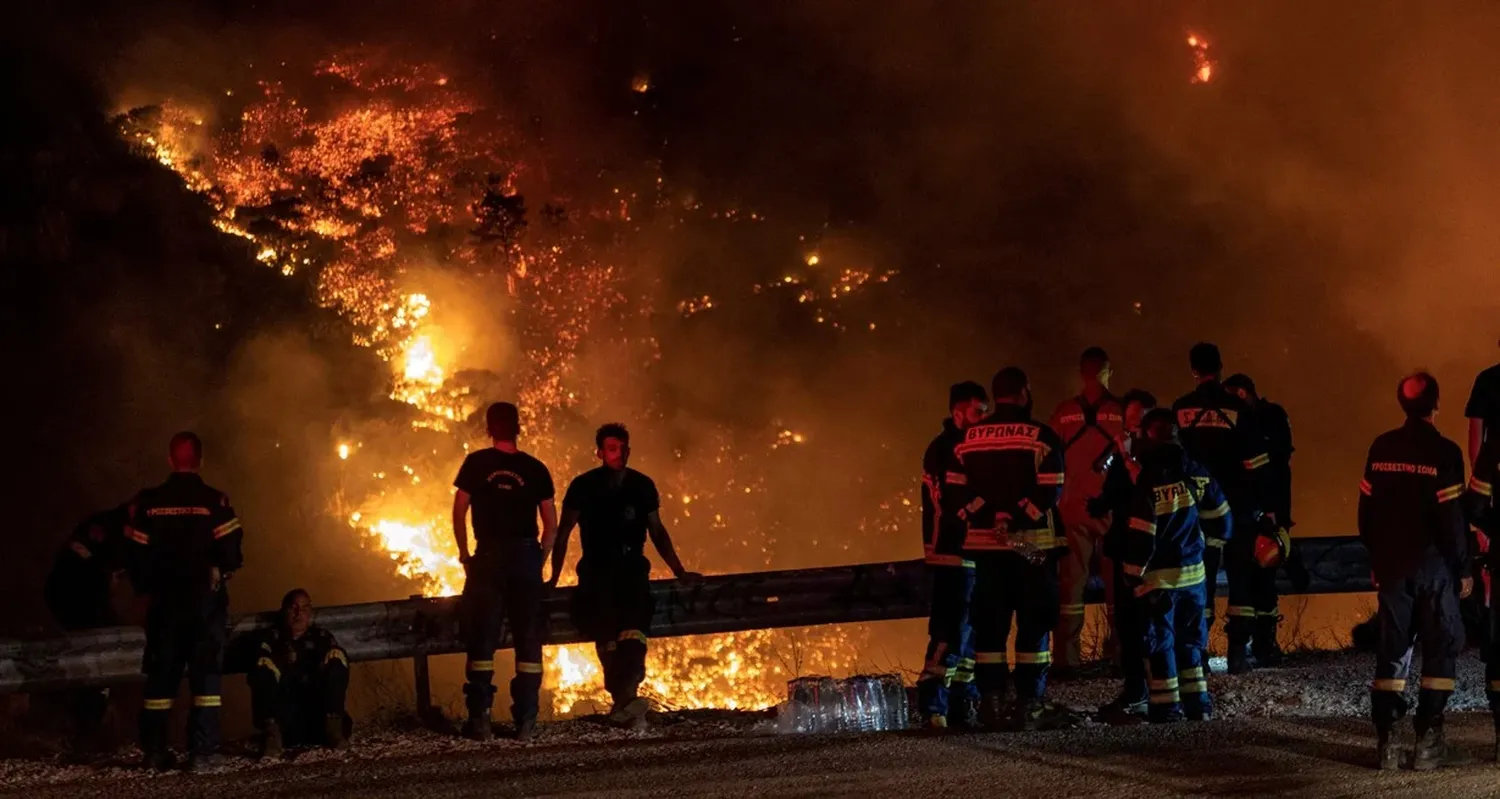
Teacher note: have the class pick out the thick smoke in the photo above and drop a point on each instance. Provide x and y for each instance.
(1041, 178)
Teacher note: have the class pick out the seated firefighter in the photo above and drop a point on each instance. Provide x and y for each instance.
(299, 681)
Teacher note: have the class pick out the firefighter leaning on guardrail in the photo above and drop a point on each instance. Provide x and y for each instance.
(1176, 506)
(507, 491)
(616, 508)
(1411, 521)
(946, 694)
(183, 544)
(1004, 480)
(299, 682)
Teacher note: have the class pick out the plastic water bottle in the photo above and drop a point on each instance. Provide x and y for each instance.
(865, 703)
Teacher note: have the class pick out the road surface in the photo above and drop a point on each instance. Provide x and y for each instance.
(1298, 757)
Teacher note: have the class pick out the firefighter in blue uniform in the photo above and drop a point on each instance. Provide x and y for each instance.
(1411, 521)
(1218, 431)
(184, 543)
(1114, 504)
(1176, 506)
(299, 682)
(946, 692)
(1004, 481)
(507, 491)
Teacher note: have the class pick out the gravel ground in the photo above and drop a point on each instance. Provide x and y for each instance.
(1295, 731)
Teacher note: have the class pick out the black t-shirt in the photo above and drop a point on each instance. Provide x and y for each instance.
(505, 490)
(612, 518)
(1484, 399)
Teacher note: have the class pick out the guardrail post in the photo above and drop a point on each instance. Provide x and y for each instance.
(423, 676)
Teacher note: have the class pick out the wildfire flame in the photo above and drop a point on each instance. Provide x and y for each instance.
(336, 196)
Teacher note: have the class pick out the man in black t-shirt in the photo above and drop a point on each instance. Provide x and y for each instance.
(616, 508)
(505, 488)
(1483, 410)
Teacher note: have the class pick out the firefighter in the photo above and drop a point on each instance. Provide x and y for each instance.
(1273, 423)
(616, 509)
(1412, 523)
(506, 490)
(1483, 410)
(1090, 426)
(946, 691)
(1218, 431)
(298, 682)
(184, 545)
(79, 592)
(1004, 480)
(1176, 508)
(1113, 506)
(1479, 508)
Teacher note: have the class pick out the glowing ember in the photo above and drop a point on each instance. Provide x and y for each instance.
(1203, 66)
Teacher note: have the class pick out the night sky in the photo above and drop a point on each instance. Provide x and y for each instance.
(1039, 179)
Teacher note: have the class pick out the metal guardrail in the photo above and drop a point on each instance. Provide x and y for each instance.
(419, 627)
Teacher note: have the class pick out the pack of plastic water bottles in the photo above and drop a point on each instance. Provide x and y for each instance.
(864, 703)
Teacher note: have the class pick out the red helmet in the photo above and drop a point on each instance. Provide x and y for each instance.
(1271, 547)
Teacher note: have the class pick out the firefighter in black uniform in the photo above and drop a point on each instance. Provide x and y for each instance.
(1484, 518)
(1411, 521)
(1273, 423)
(507, 489)
(616, 508)
(946, 692)
(1004, 481)
(1121, 469)
(299, 682)
(79, 594)
(1218, 431)
(184, 543)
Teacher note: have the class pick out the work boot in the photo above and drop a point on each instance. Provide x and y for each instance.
(479, 727)
(1125, 709)
(333, 732)
(205, 763)
(1434, 752)
(525, 729)
(158, 760)
(1387, 752)
(630, 715)
(1239, 656)
(270, 741)
(963, 714)
(1266, 649)
(992, 714)
(1027, 714)
(937, 721)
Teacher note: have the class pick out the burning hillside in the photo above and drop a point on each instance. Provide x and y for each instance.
(396, 197)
